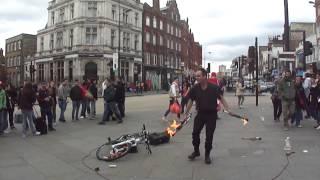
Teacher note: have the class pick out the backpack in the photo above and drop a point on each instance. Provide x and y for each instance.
(109, 94)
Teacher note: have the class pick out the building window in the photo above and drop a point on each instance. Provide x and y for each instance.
(60, 69)
(19, 45)
(168, 43)
(147, 58)
(161, 25)
(113, 38)
(14, 46)
(147, 21)
(114, 12)
(51, 72)
(154, 39)
(8, 48)
(154, 22)
(161, 60)
(91, 35)
(52, 17)
(171, 45)
(125, 16)
(61, 15)
(71, 37)
(59, 44)
(148, 37)
(168, 28)
(72, 11)
(172, 30)
(51, 41)
(71, 71)
(136, 42)
(41, 43)
(92, 9)
(41, 72)
(136, 19)
(161, 40)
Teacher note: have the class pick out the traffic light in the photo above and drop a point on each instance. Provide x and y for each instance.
(307, 48)
(208, 68)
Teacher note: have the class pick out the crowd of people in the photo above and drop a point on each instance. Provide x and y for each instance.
(295, 95)
(22, 101)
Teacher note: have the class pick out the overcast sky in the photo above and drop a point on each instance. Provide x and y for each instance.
(224, 27)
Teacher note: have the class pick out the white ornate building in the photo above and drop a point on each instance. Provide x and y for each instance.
(80, 40)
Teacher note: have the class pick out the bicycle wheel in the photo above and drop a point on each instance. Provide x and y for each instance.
(107, 153)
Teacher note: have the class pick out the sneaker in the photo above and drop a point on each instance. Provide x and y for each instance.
(318, 128)
(62, 120)
(37, 133)
(193, 155)
(12, 127)
(164, 119)
(120, 121)
(102, 123)
(299, 126)
(81, 117)
(6, 131)
(51, 129)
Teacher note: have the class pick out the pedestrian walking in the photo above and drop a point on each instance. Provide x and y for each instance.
(111, 105)
(307, 85)
(240, 93)
(63, 93)
(205, 95)
(287, 93)
(3, 109)
(26, 99)
(85, 101)
(276, 102)
(45, 104)
(185, 95)
(53, 96)
(76, 97)
(94, 97)
(120, 96)
(12, 95)
(300, 101)
(173, 95)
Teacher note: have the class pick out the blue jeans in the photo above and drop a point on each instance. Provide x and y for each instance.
(3, 121)
(92, 108)
(105, 112)
(297, 116)
(63, 107)
(84, 104)
(46, 112)
(28, 117)
(75, 109)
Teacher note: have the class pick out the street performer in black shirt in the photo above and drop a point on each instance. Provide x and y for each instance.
(205, 95)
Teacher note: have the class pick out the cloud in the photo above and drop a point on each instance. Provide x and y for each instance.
(226, 28)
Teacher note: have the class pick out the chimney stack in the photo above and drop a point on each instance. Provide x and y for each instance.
(156, 4)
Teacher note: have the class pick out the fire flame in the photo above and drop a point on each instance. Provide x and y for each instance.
(172, 129)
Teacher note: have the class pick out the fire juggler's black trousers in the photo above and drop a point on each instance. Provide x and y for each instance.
(209, 120)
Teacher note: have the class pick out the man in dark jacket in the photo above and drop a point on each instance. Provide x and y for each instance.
(120, 96)
(45, 103)
(76, 97)
(93, 98)
(110, 103)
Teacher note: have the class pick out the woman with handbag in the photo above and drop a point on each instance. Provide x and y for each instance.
(173, 102)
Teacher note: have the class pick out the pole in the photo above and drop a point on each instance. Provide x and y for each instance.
(257, 69)
(22, 63)
(119, 66)
(286, 26)
(239, 67)
(304, 50)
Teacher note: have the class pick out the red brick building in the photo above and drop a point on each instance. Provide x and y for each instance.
(168, 45)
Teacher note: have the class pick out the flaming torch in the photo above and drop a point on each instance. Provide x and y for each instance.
(244, 119)
(175, 126)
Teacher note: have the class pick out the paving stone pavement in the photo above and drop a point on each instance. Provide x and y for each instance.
(57, 156)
